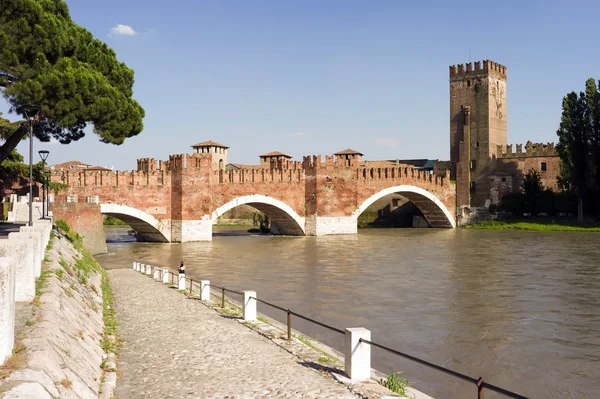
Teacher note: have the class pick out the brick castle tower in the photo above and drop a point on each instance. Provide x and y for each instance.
(477, 126)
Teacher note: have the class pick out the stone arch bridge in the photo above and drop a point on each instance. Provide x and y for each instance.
(181, 199)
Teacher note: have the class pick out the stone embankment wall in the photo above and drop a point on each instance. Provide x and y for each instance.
(58, 351)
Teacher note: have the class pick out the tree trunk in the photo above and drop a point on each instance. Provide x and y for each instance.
(580, 210)
(12, 142)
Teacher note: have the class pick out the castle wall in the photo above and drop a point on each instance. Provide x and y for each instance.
(480, 88)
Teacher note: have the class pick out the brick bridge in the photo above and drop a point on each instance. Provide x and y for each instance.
(180, 199)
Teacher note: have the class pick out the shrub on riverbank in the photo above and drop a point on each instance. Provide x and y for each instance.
(113, 221)
(536, 225)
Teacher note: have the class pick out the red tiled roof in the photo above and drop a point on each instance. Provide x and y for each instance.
(275, 154)
(243, 166)
(348, 151)
(209, 143)
(71, 165)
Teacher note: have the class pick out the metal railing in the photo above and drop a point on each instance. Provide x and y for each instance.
(479, 382)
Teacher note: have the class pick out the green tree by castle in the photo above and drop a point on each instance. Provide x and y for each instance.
(579, 147)
(47, 59)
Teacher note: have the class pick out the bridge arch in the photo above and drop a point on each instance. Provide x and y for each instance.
(284, 220)
(436, 213)
(147, 227)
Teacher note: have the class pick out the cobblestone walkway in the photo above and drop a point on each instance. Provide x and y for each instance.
(178, 348)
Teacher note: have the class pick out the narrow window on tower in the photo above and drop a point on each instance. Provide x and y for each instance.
(473, 164)
(544, 166)
(477, 144)
(468, 83)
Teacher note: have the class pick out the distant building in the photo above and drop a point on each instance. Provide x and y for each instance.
(484, 167)
(217, 151)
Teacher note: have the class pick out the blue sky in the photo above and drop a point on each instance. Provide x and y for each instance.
(314, 77)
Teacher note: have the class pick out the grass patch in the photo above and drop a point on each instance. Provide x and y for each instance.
(60, 274)
(51, 240)
(324, 359)
(110, 339)
(41, 282)
(65, 382)
(536, 225)
(113, 221)
(395, 383)
(30, 323)
(12, 363)
(262, 319)
(19, 347)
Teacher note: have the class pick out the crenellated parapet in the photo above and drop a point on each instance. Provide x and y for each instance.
(403, 174)
(109, 178)
(146, 164)
(261, 175)
(485, 67)
(531, 150)
(313, 161)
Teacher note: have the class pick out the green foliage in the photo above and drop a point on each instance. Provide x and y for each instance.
(395, 383)
(261, 221)
(75, 238)
(57, 187)
(113, 221)
(51, 240)
(537, 225)
(49, 60)
(579, 146)
(41, 282)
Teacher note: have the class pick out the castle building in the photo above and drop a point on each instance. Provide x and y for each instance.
(217, 151)
(274, 160)
(484, 167)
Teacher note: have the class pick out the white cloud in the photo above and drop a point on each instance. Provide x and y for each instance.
(122, 30)
(298, 134)
(387, 142)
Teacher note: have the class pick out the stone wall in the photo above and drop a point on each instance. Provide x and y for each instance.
(86, 220)
(59, 353)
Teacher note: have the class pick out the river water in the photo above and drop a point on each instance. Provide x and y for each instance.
(520, 309)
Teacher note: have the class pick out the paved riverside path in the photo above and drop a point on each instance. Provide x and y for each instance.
(176, 347)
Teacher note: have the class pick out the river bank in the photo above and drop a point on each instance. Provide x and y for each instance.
(212, 352)
(496, 304)
(535, 225)
(65, 336)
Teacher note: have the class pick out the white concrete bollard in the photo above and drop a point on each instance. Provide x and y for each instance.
(38, 231)
(148, 270)
(143, 268)
(181, 284)
(138, 266)
(47, 225)
(20, 248)
(165, 276)
(204, 290)
(133, 265)
(37, 247)
(357, 354)
(7, 308)
(157, 276)
(249, 306)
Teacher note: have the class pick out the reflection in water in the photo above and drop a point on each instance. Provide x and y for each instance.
(518, 308)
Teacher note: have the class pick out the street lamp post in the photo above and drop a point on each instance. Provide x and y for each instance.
(44, 156)
(31, 111)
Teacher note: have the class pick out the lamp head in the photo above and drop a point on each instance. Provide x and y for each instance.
(30, 110)
(44, 154)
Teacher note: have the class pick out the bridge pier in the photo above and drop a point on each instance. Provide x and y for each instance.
(330, 225)
(191, 230)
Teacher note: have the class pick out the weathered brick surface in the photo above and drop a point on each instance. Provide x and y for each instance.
(85, 219)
